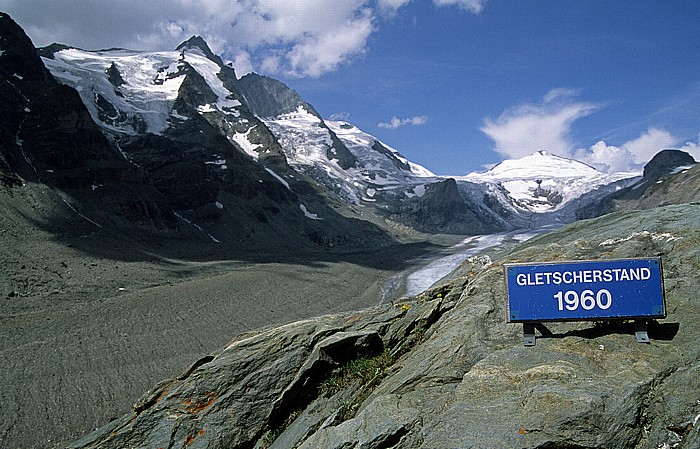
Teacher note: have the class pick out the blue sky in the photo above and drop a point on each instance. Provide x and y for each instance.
(454, 85)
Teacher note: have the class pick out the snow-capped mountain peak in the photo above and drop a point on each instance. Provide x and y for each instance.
(197, 44)
(359, 141)
(143, 100)
(130, 92)
(176, 93)
(543, 182)
(540, 164)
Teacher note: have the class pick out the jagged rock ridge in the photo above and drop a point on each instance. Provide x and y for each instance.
(189, 91)
(163, 141)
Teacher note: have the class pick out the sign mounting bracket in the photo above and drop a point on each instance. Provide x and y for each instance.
(640, 331)
(529, 334)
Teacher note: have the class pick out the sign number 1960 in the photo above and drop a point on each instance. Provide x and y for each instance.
(588, 299)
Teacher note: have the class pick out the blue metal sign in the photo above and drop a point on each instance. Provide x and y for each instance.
(585, 290)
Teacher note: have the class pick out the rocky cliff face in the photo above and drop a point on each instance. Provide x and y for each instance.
(47, 135)
(443, 209)
(444, 369)
(270, 98)
(180, 153)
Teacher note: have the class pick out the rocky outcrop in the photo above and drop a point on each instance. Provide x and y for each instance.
(268, 97)
(442, 209)
(444, 369)
(662, 174)
(47, 135)
(665, 162)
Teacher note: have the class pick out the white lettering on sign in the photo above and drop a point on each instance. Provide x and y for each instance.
(583, 276)
(588, 299)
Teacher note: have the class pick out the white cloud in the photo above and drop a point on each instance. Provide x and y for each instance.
(607, 158)
(693, 148)
(633, 154)
(315, 55)
(340, 116)
(644, 147)
(294, 37)
(241, 60)
(391, 6)
(522, 130)
(560, 94)
(396, 122)
(473, 6)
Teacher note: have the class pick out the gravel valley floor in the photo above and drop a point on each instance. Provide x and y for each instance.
(89, 322)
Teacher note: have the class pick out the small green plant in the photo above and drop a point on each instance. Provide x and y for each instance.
(361, 371)
(273, 433)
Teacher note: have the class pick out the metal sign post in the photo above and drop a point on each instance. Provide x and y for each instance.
(619, 289)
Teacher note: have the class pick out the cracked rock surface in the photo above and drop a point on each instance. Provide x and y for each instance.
(455, 374)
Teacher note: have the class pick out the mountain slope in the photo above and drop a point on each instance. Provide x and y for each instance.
(670, 177)
(180, 117)
(381, 181)
(48, 136)
(231, 136)
(543, 182)
(189, 93)
(446, 370)
(540, 189)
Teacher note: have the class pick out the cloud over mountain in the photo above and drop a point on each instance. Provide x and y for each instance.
(633, 154)
(524, 129)
(303, 38)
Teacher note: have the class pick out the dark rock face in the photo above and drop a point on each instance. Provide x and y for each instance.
(444, 369)
(401, 165)
(196, 42)
(47, 135)
(664, 162)
(268, 97)
(658, 181)
(195, 170)
(20, 63)
(443, 210)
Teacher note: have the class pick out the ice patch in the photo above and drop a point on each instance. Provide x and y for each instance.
(220, 162)
(209, 70)
(203, 109)
(243, 142)
(278, 177)
(418, 191)
(421, 279)
(308, 214)
(681, 169)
